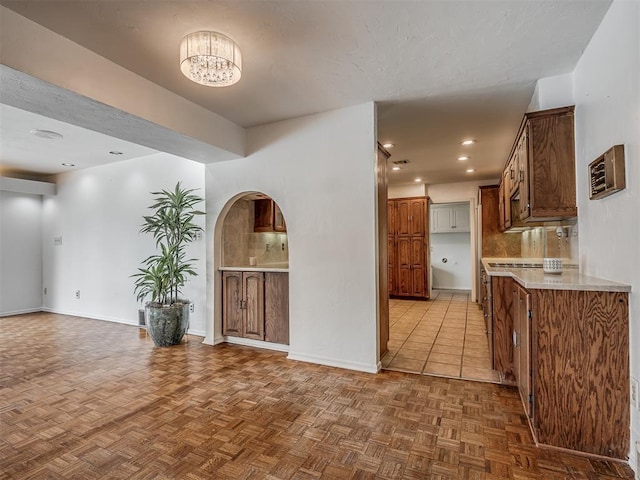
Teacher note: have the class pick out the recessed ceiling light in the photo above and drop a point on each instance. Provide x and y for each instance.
(115, 152)
(417, 180)
(462, 158)
(48, 134)
(388, 145)
(467, 142)
(395, 168)
(470, 170)
(68, 164)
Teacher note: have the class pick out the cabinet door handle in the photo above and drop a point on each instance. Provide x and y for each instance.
(515, 339)
(521, 179)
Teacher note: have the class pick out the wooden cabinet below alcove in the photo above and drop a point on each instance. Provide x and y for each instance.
(255, 305)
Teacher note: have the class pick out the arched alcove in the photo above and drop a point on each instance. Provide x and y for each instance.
(251, 279)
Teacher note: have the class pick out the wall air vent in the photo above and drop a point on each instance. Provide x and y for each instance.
(400, 162)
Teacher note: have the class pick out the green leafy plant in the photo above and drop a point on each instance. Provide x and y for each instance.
(163, 274)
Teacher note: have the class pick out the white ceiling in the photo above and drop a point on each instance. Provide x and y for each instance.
(440, 71)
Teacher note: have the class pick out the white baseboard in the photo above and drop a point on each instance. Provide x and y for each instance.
(248, 342)
(91, 317)
(332, 362)
(20, 312)
(197, 333)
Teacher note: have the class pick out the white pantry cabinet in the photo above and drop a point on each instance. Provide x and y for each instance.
(450, 218)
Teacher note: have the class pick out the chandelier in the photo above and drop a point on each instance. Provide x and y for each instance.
(210, 59)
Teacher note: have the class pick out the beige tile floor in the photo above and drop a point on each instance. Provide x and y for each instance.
(442, 336)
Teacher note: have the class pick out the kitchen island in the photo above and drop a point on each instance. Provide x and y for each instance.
(563, 340)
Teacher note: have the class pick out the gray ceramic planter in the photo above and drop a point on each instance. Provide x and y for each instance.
(167, 324)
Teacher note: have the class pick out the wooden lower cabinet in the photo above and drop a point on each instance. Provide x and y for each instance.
(503, 291)
(255, 305)
(569, 355)
(276, 310)
(522, 346)
(580, 365)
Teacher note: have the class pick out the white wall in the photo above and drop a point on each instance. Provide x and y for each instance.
(320, 169)
(456, 272)
(462, 192)
(607, 96)
(457, 192)
(552, 92)
(98, 212)
(21, 253)
(404, 191)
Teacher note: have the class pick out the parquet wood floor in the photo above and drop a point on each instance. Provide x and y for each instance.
(86, 399)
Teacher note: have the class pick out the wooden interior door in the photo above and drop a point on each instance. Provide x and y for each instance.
(254, 305)
(232, 304)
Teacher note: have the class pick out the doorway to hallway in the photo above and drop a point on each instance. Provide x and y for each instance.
(443, 336)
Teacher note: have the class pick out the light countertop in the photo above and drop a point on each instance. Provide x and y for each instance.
(267, 267)
(569, 279)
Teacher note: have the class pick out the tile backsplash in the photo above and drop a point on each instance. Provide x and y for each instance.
(239, 241)
(559, 241)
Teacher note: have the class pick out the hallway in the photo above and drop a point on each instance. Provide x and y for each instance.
(443, 336)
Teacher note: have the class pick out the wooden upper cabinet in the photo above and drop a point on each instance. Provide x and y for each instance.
(391, 217)
(410, 216)
(546, 165)
(418, 216)
(268, 217)
(506, 200)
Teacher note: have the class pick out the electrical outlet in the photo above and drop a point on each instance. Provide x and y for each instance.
(192, 307)
(45, 290)
(78, 294)
(635, 394)
(268, 246)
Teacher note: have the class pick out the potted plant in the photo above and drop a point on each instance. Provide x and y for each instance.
(163, 274)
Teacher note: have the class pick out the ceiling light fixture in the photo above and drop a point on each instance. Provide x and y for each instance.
(210, 59)
(48, 134)
(68, 164)
(463, 158)
(470, 170)
(396, 168)
(417, 180)
(388, 145)
(467, 142)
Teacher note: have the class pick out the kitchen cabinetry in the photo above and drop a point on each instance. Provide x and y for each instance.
(276, 307)
(243, 304)
(256, 305)
(407, 243)
(543, 161)
(494, 242)
(503, 292)
(486, 296)
(522, 345)
(568, 355)
(450, 218)
(580, 381)
(268, 216)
